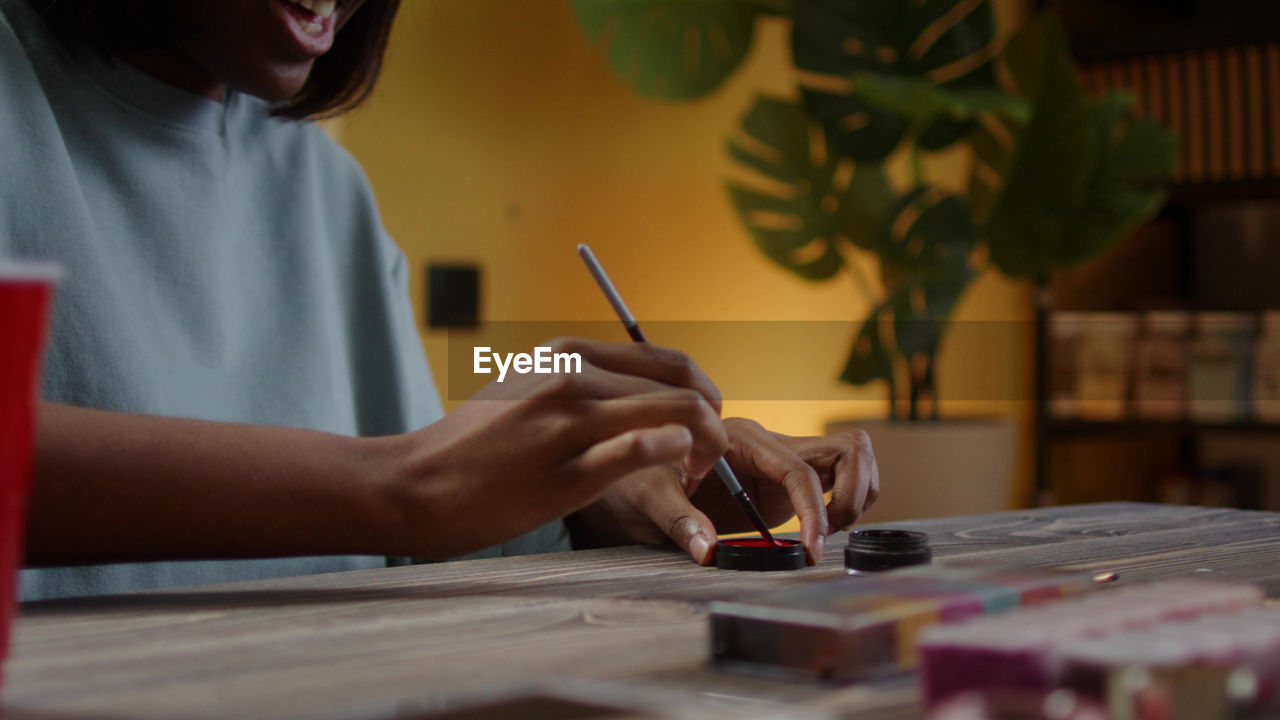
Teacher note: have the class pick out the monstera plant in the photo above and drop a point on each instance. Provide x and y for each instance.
(1056, 175)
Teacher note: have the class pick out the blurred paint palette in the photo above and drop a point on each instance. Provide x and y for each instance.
(1081, 643)
(865, 627)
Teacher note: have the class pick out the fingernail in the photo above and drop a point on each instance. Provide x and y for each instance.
(672, 439)
(698, 548)
(815, 553)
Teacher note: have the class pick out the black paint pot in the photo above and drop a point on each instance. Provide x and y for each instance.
(876, 550)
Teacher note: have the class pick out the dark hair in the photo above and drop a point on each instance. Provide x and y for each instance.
(340, 79)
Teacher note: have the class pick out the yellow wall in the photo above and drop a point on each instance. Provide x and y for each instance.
(498, 135)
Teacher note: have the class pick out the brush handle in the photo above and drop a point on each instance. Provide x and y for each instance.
(730, 481)
(722, 468)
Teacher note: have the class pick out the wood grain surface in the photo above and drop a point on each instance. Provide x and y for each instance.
(621, 627)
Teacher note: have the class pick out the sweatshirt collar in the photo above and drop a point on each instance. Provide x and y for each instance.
(167, 103)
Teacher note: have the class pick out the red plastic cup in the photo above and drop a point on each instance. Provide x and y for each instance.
(26, 290)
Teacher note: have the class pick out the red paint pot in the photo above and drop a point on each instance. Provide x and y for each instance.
(759, 554)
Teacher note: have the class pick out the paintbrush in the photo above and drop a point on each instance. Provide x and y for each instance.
(722, 469)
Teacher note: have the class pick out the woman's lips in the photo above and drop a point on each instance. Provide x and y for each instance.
(310, 31)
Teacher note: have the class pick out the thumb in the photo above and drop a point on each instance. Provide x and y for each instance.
(666, 506)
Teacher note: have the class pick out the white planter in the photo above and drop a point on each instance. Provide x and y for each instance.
(938, 469)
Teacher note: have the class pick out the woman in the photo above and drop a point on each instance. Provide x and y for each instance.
(234, 375)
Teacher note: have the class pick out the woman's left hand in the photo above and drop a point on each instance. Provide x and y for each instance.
(784, 476)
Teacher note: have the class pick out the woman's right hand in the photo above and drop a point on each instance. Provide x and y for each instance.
(534, 448)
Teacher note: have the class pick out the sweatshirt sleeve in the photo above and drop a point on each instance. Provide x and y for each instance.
(16, 80)
(32, 153)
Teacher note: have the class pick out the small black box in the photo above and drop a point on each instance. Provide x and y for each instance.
(453, 296)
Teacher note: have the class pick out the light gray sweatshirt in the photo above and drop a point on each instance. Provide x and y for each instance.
(221, 264)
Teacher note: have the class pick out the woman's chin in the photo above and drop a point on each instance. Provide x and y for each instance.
(275, 87)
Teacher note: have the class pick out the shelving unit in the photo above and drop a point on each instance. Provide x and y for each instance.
(1176, 27)
(1188, 435)
(1081, 428)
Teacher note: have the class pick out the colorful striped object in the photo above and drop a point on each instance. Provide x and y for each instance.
(865, 627)
(1028, 651)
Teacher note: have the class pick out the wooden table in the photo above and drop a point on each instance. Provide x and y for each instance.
(628, 624)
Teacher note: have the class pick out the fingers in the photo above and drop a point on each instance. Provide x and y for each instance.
(710, 440)
(856, 479)
(755, 451)
(630, 451)
(670, 367)
(666, 506)
(651, 386)
(599, 384)
(848, 466)
(867, 457)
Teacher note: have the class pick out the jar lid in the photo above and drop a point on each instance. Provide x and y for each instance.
(874, 550)
(759, 554)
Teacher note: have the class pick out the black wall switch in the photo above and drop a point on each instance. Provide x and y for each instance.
(453, 296)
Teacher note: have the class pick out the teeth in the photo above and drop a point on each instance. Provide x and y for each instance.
(323, 9)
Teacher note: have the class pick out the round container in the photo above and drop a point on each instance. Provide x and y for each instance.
(1102, 361)
(1160, 366)
(758, 554)
(875, 550)
(1218, 382)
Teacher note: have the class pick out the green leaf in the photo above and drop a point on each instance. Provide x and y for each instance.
(924, 270)
(673, 49)
(1082, 173)
(923, 307)
(800, 222)
(915, 330)
(992, 142)
(941, 41)
(923, 230)
(921, 101)
(1146, 150)
(868, 359)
